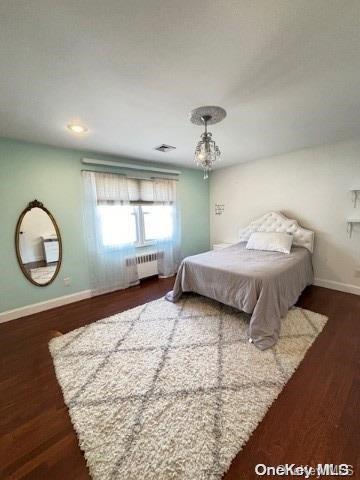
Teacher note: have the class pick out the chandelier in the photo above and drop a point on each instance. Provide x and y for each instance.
(206, 151)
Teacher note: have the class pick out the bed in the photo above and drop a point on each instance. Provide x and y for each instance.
(262, 283)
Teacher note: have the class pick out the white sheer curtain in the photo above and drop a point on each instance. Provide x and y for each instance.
(112, 262)
(168, 245)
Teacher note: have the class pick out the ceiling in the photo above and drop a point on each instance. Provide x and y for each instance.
(287, 72)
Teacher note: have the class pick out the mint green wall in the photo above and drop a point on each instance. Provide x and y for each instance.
(52, 175)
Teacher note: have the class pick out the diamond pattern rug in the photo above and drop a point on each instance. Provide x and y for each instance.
(173, 391)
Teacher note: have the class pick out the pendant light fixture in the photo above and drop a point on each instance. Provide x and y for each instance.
(206, 151)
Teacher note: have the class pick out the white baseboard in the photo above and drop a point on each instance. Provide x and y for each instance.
(41, 306)
(75, 297)
(342, 287)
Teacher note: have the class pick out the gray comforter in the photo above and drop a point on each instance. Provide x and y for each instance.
(265, 284)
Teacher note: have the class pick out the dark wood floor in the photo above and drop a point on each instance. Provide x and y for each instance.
(314, 420)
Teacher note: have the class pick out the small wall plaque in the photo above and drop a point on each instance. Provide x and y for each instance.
(219, 208)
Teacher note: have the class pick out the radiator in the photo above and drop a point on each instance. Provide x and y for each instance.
(146, 264)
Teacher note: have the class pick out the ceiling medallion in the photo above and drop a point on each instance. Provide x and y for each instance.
(206, 151)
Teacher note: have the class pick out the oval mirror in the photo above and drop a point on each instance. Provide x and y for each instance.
(38, 244)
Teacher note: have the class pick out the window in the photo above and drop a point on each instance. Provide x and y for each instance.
(118, 224)
(157, 222)
(135, 224)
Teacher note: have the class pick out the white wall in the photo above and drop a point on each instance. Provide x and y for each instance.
(311, 185)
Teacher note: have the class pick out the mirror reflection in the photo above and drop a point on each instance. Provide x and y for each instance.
(38, 246)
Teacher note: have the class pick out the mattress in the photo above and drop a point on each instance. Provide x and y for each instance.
(261, 283)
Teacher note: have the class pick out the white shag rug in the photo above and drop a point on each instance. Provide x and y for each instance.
(173, 391)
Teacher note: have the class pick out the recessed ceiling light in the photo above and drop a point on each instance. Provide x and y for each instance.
(77, 128)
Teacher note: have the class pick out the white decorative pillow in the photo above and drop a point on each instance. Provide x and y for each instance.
(274, 242)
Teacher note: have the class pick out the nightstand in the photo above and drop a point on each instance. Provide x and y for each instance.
(220, 246)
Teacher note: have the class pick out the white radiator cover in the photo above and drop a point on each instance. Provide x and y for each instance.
(147, 264)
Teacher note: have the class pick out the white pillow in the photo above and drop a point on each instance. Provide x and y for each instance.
(274, 241)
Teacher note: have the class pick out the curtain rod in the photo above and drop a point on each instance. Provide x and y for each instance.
(130, 166)
(128, 176)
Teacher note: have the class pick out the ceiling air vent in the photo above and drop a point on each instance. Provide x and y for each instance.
(164, 148)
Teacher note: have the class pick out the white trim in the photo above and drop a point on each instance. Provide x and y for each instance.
(76, 297)
(41, 306)
(131, 166)
(342, 287)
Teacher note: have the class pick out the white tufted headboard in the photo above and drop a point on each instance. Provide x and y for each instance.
(277, 222)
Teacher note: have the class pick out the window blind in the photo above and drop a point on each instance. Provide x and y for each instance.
(114, 188)
(140, 190)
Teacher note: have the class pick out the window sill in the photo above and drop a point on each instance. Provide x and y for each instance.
(145, 245)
